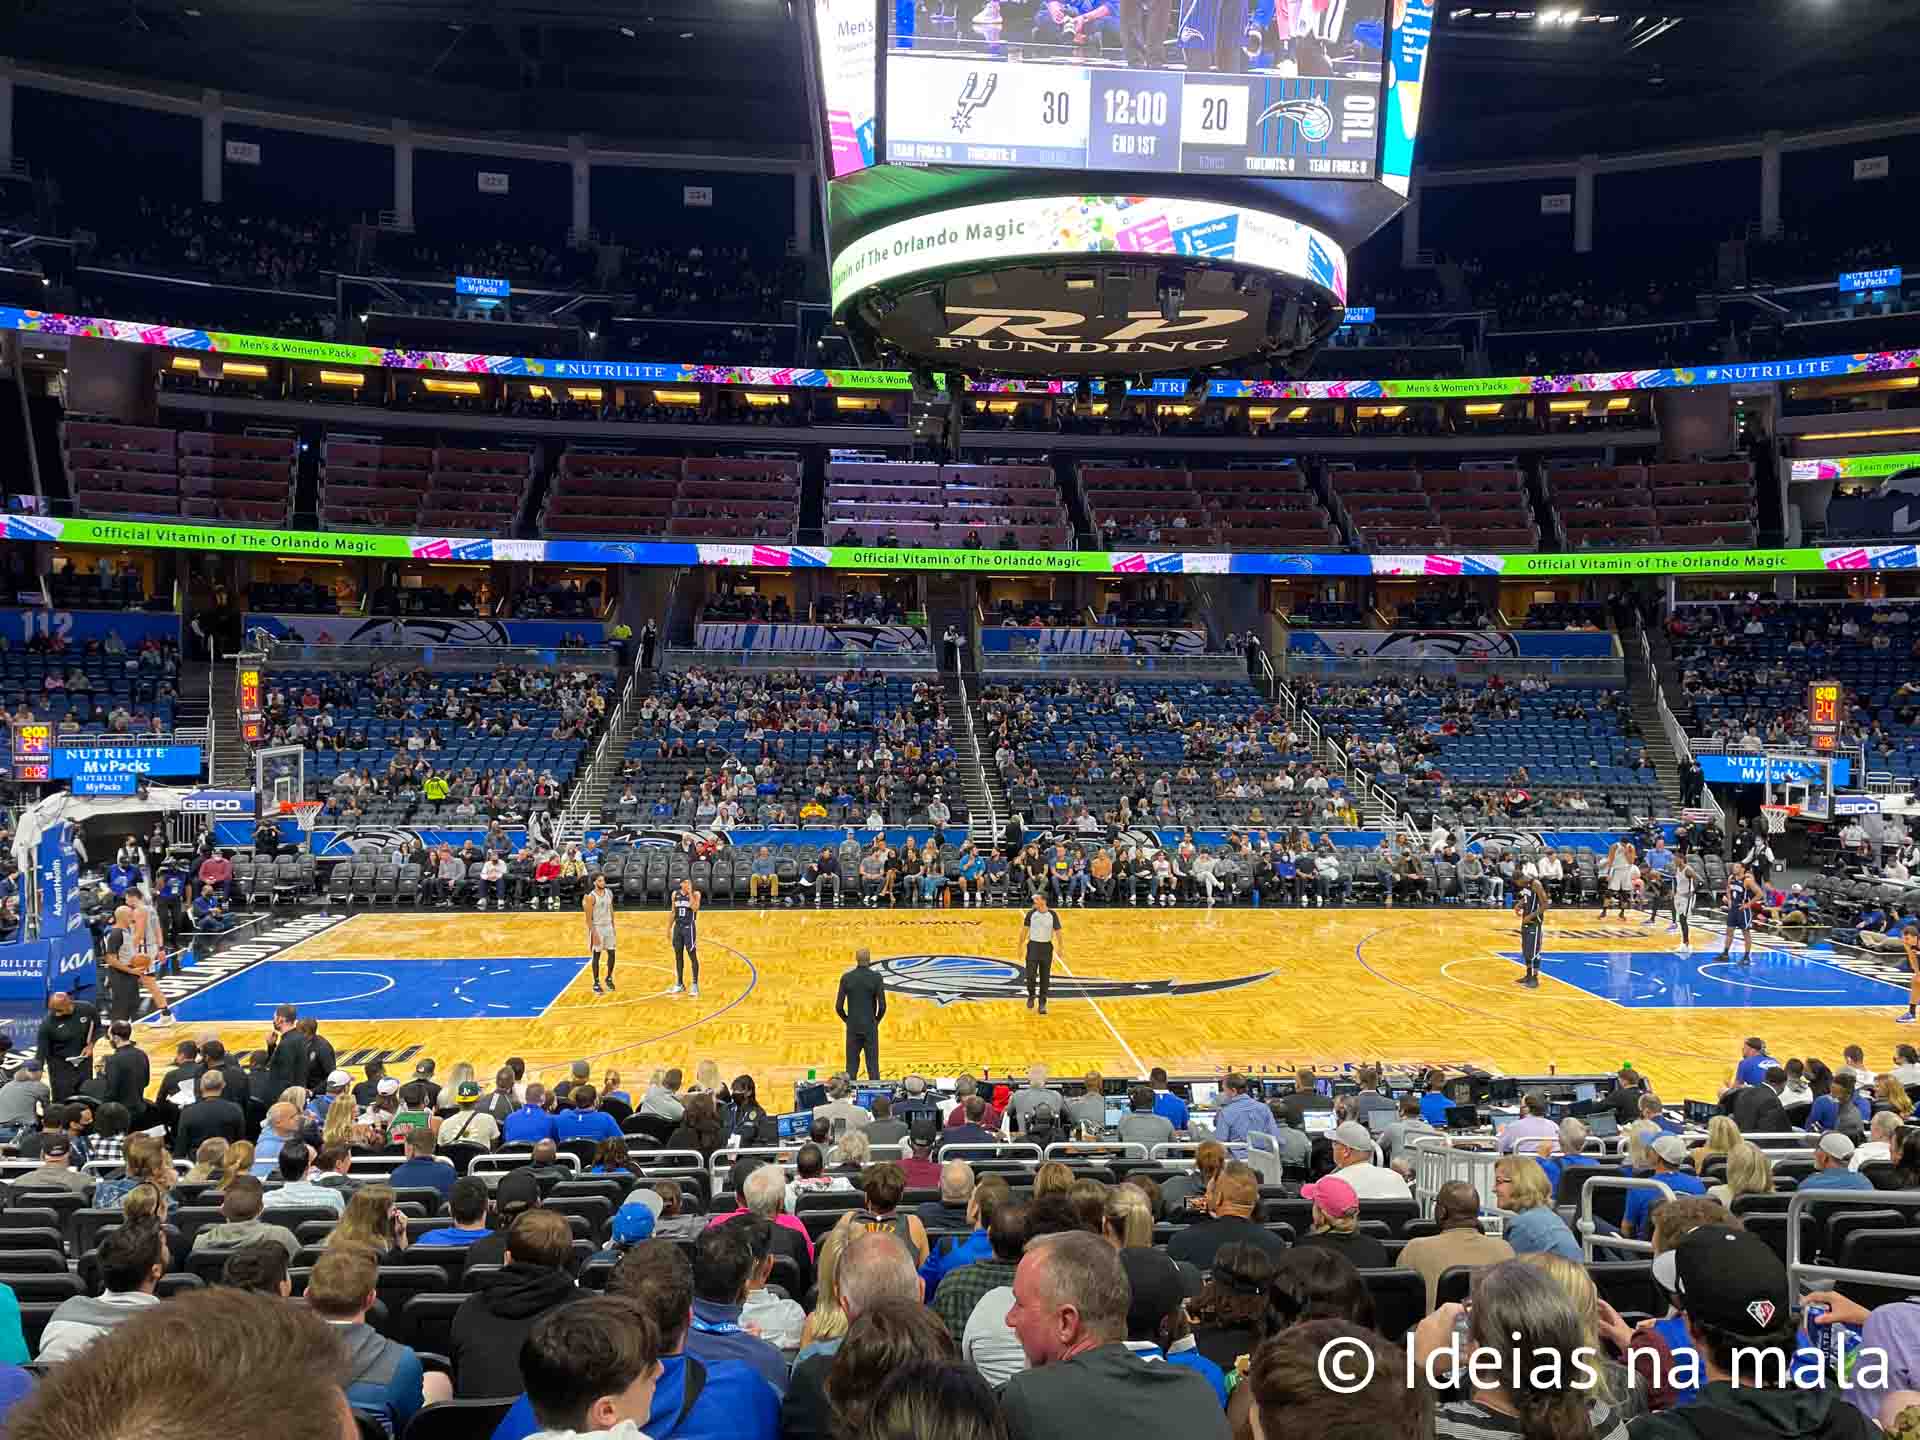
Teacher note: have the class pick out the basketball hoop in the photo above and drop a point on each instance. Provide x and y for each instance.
(1777, 816)
(303, 813)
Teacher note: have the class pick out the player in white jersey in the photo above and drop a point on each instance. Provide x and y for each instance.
(149, 950)
(1617, 876)
(597, 905)
(1686, 886)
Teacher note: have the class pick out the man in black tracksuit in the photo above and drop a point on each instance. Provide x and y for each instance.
(861, 1006)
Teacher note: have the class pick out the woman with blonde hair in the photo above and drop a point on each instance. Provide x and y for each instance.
(1722, 1136)
(147, 1163)
(853, 1152)
(827, 1321)
(706, 1076)
(339, 1129)
(1128, 1219)
(1052, 1178)
(450, 1087)
(1596, 1318)
(372, 1219)
(1520, 1185)
(1640, 1138)
(1749, 1172)
(1898, 1101)
(238, 1162)
(207, 1162)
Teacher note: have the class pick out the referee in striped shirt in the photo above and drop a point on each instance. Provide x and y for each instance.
(1042, 926)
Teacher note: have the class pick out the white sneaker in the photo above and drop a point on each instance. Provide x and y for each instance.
(695, 992)
(677, 990)
(989, 13)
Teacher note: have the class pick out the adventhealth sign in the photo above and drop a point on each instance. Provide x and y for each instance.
(85, 761)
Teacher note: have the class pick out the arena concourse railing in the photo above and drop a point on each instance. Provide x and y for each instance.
(1377, 668)
(1195, 667)
(436, 657)
(904, 662)
(1805, 1276)
(580, 804)
(1585, 1228)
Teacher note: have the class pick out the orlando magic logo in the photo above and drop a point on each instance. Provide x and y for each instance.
(1313, 119)
(951, 979)
(975, 95)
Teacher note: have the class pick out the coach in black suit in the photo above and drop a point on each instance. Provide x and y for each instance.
(861, 1006)
(1072, 1296)
(1757, 1110)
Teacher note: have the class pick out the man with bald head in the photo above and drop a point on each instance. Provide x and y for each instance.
(64, 1046)
(1070, 1299)
(283, 1124)
(949, 1212)
(123, 979)
(874, 1269)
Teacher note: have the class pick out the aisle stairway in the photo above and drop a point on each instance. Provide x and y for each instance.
(1646, 712)
(232, 760)
(980, 788)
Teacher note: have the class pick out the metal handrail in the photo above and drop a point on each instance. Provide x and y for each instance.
(1584, 1222)
(1122, 1149)
(1797, 1206)
(1199, 666)
(1182, 1152)
(675, 657)
(1020, 1150)
(579, 805)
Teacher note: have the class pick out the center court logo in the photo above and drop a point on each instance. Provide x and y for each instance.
(1310, 117)
(951, 979)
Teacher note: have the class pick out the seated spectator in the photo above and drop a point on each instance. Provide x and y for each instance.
(1231, 1199)
(1832, 1169)
(385, 1380)
(1336, 1223)
(983, 1200)
(1286, 1389)
(772, 1316)
(132, 1258)
(422, 1167)
(467, 1206)
(262, 1267)
(56, 1168)
(591, 1368)
(1229, 1314)
(492, 1324)
(1460, 1241)
(1670, 1167)
(876, 1271)
(532, 1122)
(300, 1185)
(1070, 1314)
(240, 1222)
(585, 1120)
(1157, 1326)
(1353, 1163)
(723, 1267)
(1520, 1185)
(884, 1185)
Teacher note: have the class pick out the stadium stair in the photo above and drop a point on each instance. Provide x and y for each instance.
(617, 743)
(1646, 712)
(980, 787)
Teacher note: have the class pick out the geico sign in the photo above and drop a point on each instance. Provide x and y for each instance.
(216, 805)
(1065, 332)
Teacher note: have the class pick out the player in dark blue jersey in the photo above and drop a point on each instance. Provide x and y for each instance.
(1530, 904)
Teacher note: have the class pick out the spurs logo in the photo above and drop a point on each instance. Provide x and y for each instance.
(975, 95)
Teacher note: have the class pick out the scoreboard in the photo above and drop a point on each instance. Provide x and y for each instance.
(1826, 701)
(32, 751)
(948, 110)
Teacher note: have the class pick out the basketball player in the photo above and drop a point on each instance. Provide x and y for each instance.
(123, 981)
(1530, 904)
(1619, 871)
(1743, 895)
(598, 907)
(1042, 929)
(686, 946)
(149, 950)
(1686, 885)
(1910, 937)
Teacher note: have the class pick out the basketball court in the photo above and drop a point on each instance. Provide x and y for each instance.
(1195, 991)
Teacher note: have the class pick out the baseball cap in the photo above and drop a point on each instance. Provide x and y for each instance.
(1333, 1195)
(517, 1191)
(467, 1091)
(423, 1070)
(388, 1086)
(55, 1143)
(30, 1067)
(1670, 1148)
(339, 1080)
(1353, 1135)
(632, 1223)
(1156, 1290)
(1837, 1145)
(1729, 1279)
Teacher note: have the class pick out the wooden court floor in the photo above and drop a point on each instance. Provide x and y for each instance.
(1195, 991)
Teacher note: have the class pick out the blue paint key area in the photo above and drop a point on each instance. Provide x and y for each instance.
(515, 988)
(1670, 980)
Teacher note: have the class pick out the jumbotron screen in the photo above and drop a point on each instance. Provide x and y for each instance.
(1144, 86)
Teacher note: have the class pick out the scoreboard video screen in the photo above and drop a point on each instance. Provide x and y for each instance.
(1139, 85)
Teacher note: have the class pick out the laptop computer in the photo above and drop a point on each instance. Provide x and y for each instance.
(1603, 1124)
(795, 1126)
(1203, 1093)
(1317, 1122)
(1463, 1117)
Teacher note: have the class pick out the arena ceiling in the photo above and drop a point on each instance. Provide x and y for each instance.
(1548, 79)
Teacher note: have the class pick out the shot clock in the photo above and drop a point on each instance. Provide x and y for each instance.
(1824, 701)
